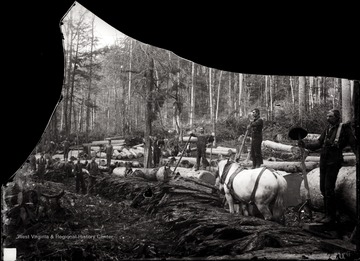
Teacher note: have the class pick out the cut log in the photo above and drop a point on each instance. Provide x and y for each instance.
(186, 138)
(221, 151)
(101, 155)
(139, 149)
(115, 138)
(104, 142)
(136, 153)
(95, 148)
(129, 155)
(116, 153)
(287, 166)
(348, 160)
(189, 161)
(345, 190)
(146, 173)
(139, 146)
(118, 147)
(202, 175)
(282, 147)
(150, 174)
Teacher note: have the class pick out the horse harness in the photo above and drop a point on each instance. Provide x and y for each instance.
(231, 180)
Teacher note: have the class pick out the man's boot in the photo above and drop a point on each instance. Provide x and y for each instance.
(319, 219)
(330, 208)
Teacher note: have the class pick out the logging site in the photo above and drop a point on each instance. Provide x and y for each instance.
(152, 156)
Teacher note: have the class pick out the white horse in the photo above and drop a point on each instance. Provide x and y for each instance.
(266, 192)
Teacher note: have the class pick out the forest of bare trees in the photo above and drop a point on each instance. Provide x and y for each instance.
(134, 88)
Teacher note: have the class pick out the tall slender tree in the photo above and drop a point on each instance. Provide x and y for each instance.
(346, 100)
(302, 98)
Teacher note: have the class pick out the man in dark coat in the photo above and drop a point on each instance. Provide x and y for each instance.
(158, 146)
(335, 137)
(66, 149)
(202, 140)
(41, 166)
(93, 169)
(255, 127)
(79, 177)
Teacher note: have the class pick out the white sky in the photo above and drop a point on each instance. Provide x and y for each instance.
(106, 34)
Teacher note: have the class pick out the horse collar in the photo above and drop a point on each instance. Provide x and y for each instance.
(252, 197)
(230, 183)
(225, 171)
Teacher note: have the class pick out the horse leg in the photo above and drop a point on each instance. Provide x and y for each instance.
(244, 208)
(265, 211)
(237, 208)
(230, 202)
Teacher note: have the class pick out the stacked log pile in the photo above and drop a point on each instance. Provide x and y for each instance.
(151, 174)
(182, 217)
(193, 212)
(123, 152)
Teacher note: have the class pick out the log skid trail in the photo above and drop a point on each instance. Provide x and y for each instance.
(133, 217)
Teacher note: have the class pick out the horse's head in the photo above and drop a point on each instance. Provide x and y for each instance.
(219, 172)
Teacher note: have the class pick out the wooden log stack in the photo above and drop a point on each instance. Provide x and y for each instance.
(151, 174)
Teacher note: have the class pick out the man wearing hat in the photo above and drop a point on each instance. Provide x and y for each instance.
(335, 137)
(93, 169)
(202, 140)
(66, 149)
(79, 177)
(255, 127)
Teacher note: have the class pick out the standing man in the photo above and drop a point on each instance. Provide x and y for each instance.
(202, 140)
(335, 137)
(255, 127)
(79, 177)
(157, 145)
(41, 166)
(109, 152)
(93, 169)
(66, 149)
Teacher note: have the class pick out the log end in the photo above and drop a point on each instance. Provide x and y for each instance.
(207, 177)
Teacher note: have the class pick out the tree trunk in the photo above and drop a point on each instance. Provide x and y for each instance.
(292, 90)
(211, 96)
(68, 125)
(90, 81)
(67, 86)
(267, 97)
(230, 99)
(271, 99)
(192, 96)
(241, 81)
(311, 97)
(129, 90)
(302, 99)
(346, 100)
(148, 114)
(218, 99)
(319, 87)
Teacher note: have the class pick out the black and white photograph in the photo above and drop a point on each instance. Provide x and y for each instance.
(235, 141)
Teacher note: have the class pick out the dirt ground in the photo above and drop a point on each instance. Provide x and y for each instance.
(95, 227)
